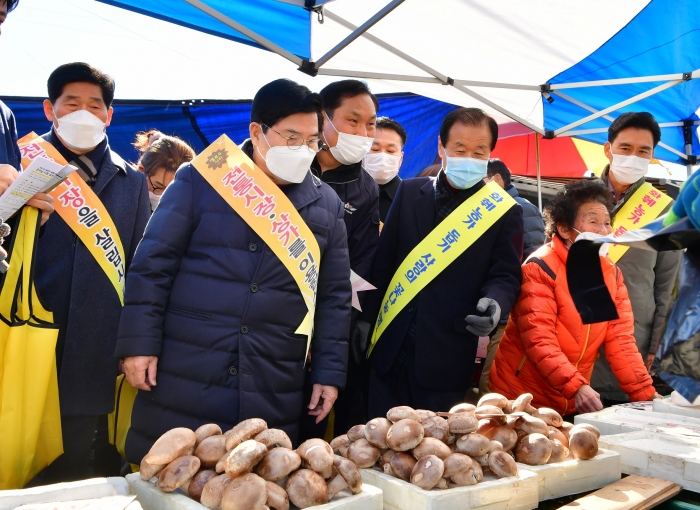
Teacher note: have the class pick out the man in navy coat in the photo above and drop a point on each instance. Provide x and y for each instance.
(426, 356)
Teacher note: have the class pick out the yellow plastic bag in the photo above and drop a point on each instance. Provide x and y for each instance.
(119, 421)
(30, 419)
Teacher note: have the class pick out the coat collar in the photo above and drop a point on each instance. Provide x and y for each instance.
(341, 175)
(560, 248)
(512, 191)
(604, 176)
(390, 187)
(425, 208)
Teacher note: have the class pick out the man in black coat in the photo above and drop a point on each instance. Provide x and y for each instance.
(84, 302)
(384, 159)
(426, 355)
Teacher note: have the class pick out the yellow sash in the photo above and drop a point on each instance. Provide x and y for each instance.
(268, 211)
(84, 213)
(439, 249)
(643, 207)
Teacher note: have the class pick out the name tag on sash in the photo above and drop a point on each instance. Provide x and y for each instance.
(643, 207)
(85, 214)
(439, 249)
(271, 215)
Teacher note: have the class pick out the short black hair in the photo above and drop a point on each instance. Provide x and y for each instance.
(638, 120)
(334, 93)
(11, 4)
(391, 124)
(80, 72)
(496, 166)
(280, 99)
(468, 117)
(563, 208)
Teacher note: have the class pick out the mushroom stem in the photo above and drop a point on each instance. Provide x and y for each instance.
(336, 485)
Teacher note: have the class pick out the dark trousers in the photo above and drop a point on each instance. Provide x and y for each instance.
(399, 387)
(78, 434)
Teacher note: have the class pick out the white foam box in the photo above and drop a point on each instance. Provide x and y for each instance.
(154, 499)
(93, 488)
(512, 493)
(666, 406)
(616, 420)
(575, 476)
(668, 454)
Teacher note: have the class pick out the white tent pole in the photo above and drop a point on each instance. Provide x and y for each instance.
(617, 106)
(625, 81)
(495, 85)
(262, 41)
(358, 32)
(377, 76)
(539, 175)
(580, 104)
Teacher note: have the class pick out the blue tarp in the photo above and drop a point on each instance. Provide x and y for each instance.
(664, 38)
(199, 123)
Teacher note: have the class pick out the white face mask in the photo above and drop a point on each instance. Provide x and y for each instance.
(80, 130)
(628, 169)
(289, 165)
(382, 166)
(587, 236)
(350, 149)
(155, 199)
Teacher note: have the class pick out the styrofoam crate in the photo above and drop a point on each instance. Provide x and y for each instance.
(668, 455)
(512, 493)
(84, 489)
(616, 420)
(575, 476)
(154, 499)
(666, 406)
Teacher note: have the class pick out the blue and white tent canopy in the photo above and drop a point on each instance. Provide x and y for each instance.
(592, 60)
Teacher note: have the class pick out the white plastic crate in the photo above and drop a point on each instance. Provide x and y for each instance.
(616, 420)
(85, 489)
(512, 493)
(666, 406)
(154, 499)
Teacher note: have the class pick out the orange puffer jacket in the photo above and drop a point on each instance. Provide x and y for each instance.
(546, 349)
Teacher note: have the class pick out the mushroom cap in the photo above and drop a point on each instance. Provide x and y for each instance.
(340, 445)
(471, 476)
(565, 428)
(376, 430)
(177, 473)
(402, 465)
(385, 457)
(463, 408)
(245, 430)
(427, 472)
(521, 403)
(247, 492)
(171, 445)
(194, 490)
(277, 498)
(436, 427)
(205, 431)
(502, 464)
(504, 435)
(462, 423)
(431, 446)
(532, 425)
(356, 432)
(486, 424)
(559, 451)
(349, 472)
(586, 426)
(273, 438)
(306, 488)
(424, 414)
(402, 413)
(221, 463)
(244, 457)
(363, 454)
(404, 435)
(493, 399)
(316, 454)
(496, 446)
(474, 445)
(277, 464)
(583, 444)
(148, 471)
(549, 416)
(555, 433)
(213, 491)
(210, 450)
(483, 460)
(455, 463)
(534, 450)
(488, 411)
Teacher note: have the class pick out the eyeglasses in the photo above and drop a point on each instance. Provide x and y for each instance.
(296, 141)
(156, 190)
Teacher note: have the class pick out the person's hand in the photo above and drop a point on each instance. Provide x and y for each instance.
(650, 360)
(8, 174)
(141, 371)
(43, 202)
(587, 400)
(657, 396)
(322, 399)
(482, 325)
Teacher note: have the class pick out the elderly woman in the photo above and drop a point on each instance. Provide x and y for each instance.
(546, 349)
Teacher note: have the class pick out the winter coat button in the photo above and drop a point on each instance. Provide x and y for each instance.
(254, 287)
(252, 247)
(232, 370)
(245, 329)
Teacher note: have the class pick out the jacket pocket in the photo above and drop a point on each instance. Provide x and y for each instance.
(188, 313)
(320, 233)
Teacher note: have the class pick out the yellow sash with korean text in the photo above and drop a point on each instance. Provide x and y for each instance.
(271, 215)
(452, 237)
(643, 207)
(84, 213)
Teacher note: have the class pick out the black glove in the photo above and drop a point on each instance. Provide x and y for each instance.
(483, 325)
(359, 339)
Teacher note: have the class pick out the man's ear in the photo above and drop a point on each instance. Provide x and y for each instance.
(441, 150)
(48, 111)
(255, 130)
(607, 149)
(110, 112)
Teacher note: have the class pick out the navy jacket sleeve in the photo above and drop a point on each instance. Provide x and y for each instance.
(362, 242)
(329, 348)
(9, 150)
(153, 269)
(505, 274)
(143, 213)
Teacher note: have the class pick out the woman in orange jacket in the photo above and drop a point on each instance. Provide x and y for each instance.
(546, 349)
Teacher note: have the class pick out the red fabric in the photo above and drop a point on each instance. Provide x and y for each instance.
(559, 157)
(557, 351)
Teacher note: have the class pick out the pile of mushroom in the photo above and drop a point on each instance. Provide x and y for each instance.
(439, 450)
(250, 467)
